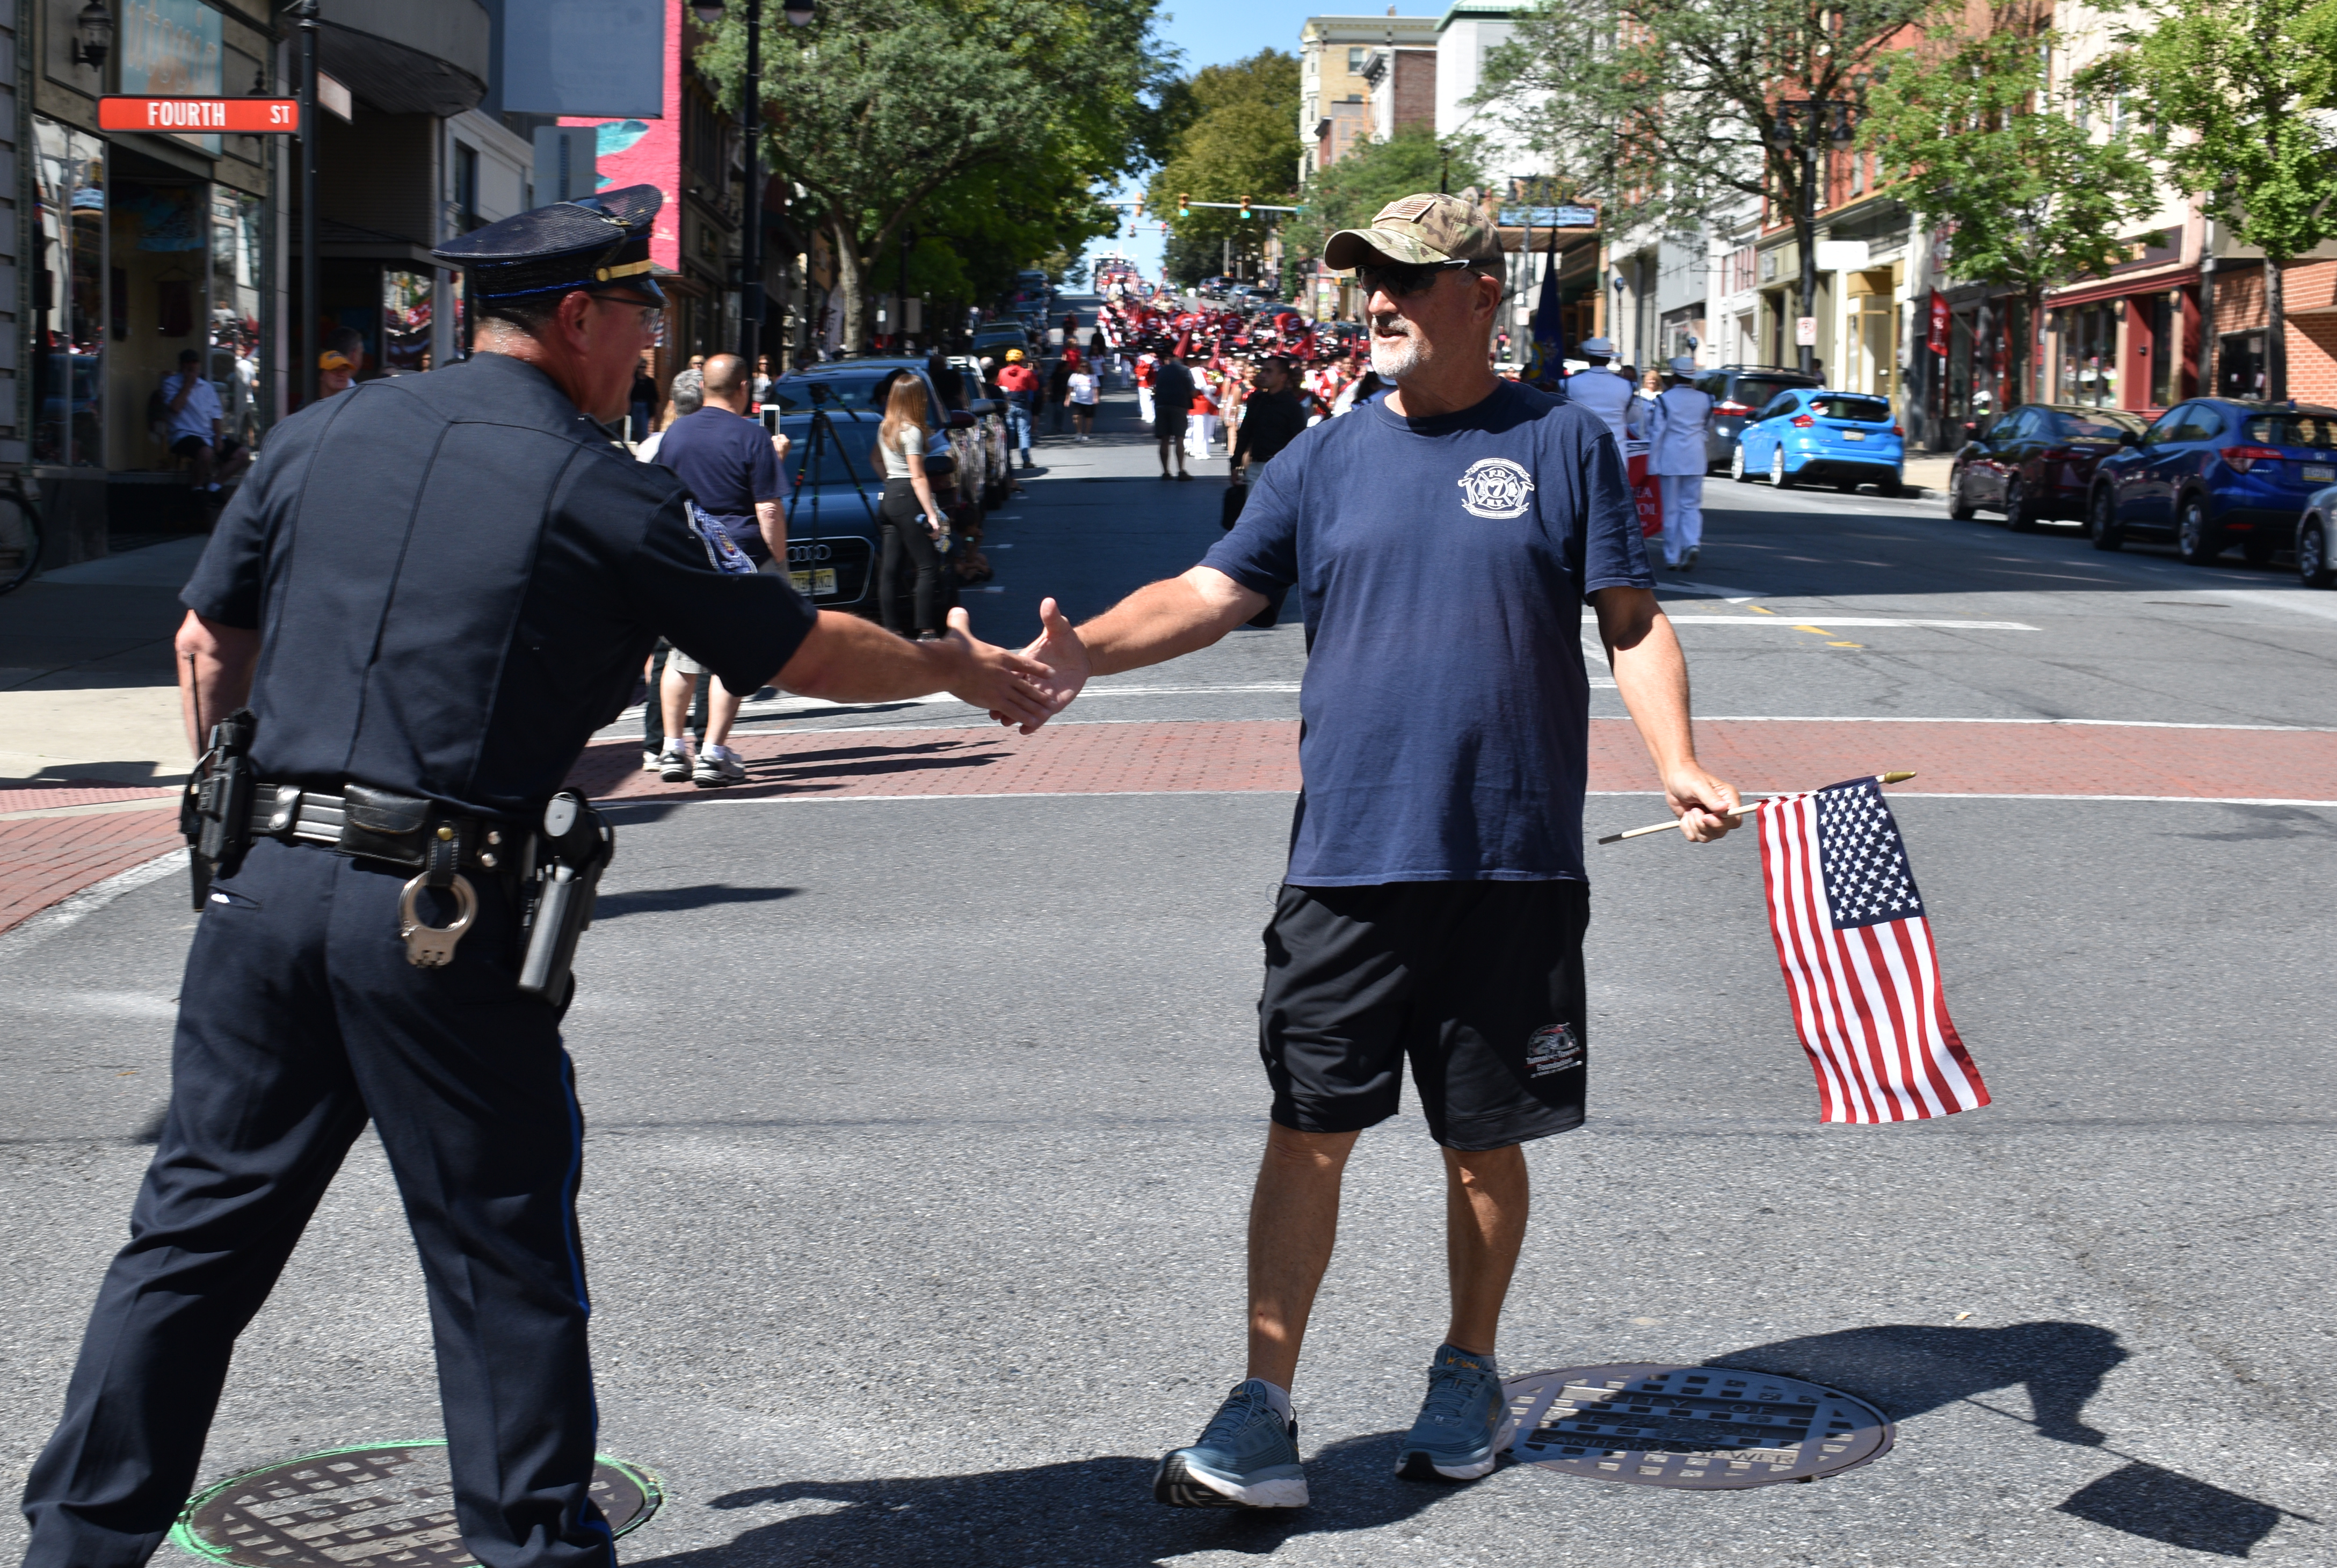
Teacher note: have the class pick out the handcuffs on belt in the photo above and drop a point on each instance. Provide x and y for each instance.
(557, 868)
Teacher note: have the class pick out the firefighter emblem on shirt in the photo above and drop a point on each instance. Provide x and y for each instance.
(1496, 487)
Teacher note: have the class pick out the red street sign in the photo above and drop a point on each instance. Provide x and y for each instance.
(183, 115)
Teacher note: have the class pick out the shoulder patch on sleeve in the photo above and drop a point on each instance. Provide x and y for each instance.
(722, 551)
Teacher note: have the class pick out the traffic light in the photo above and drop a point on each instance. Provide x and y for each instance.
(1245, 206)
(1184, 205)
(1140, 207)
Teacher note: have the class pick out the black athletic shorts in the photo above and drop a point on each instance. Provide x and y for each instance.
(1479, 983)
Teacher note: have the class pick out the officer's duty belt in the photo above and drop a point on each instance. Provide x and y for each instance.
(376, 825)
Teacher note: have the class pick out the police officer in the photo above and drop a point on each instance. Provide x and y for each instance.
(1680, 426)
(430, 591)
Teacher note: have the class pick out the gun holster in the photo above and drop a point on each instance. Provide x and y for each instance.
(573, 845)
(215, 812)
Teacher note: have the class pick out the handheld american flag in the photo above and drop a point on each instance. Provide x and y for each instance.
(1861, 971)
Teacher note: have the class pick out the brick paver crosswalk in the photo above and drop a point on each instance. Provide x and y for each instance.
(47, 858)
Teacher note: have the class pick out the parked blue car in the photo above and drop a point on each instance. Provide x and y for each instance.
(1807, 435)
(2213, 473)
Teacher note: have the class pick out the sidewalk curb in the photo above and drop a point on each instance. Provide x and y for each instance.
(41, 924)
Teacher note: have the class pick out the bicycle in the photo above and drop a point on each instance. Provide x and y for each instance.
(20, 534)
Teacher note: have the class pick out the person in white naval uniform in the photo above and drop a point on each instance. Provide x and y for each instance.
(1678, 426)
(1601, 390)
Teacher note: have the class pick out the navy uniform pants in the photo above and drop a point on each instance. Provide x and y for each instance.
(300, 1020)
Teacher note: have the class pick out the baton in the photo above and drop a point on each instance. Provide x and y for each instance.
(1742, 813)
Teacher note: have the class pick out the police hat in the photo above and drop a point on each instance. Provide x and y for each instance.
(593, 242)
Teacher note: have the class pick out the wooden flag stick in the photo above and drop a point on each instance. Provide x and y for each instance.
(1746, 811)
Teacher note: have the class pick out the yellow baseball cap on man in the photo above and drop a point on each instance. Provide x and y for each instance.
(1419, 231)
(1014, 356)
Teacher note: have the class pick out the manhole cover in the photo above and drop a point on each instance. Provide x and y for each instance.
(1710, 1427)
(385, 1505)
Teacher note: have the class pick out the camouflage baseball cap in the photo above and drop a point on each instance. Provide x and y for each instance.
(1427, 228)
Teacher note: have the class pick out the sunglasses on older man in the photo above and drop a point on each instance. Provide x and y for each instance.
(1403, 279)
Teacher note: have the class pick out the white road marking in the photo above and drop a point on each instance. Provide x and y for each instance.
(1821, 619)
(1909, 719)
(1897, 793)
(1712, 590)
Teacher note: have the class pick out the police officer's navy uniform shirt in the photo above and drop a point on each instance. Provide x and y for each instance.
(456, 578)
(1444, 564)
(727, 463)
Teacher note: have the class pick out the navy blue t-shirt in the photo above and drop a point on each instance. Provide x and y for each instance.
(1444, 564)
(726, 462)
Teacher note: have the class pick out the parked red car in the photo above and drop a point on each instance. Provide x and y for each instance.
(2036, 460)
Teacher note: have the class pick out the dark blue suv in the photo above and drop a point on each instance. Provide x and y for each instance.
(2212, 473)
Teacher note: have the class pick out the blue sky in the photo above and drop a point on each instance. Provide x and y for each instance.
(1217, 32)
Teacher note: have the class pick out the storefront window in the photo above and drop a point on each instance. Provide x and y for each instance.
(69, 297)
(238, 250)
(158, 262)
(2089, 355)
(2240, 366)
(406, 304)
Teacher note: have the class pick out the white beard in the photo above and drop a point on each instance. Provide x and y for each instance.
(1397, 358)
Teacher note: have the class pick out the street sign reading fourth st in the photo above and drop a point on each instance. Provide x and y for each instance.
(179, 115)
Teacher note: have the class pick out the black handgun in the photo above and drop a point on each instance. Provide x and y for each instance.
(215, 813)
(575, 843)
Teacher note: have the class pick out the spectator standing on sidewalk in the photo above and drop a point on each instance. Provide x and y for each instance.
(1058, 386)
(1173, 393)
(688, 397)
(730, 466)
(912, 519)
(1019, 384)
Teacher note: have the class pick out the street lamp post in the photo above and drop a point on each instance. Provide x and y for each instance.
(305, 14)
(1809, 127)
(800, 13)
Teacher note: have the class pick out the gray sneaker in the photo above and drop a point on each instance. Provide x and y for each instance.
(673, 763)
(1247, 1457)
(718, 766)
(1463, 1424)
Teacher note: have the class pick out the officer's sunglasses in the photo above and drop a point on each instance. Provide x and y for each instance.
(1403, 279)
(652, 316)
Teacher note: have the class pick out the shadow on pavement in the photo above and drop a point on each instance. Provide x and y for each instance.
(661, 900)
(1909, 1368)
(1093, 1513)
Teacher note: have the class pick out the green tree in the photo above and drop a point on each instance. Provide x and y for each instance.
(1987, 149)
(1349, 194)
(898, 115)
(1234, 134)
(2237, 96)
(1668, 112)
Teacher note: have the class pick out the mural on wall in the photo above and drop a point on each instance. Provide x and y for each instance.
(632, 151)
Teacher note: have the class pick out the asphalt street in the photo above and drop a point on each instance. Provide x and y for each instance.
(921, 1128)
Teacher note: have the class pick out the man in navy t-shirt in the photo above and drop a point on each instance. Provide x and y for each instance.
(1443, 540)
(730, 465)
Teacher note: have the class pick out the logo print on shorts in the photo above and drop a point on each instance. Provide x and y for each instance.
(1496, 487)
(1551, 1049)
